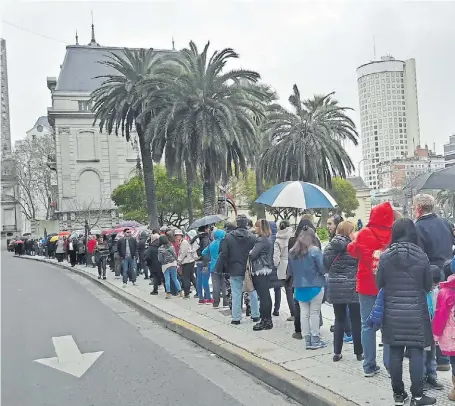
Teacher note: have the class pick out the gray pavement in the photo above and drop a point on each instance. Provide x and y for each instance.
(142, 363)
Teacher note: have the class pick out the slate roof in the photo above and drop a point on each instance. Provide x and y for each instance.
(80, 67)
(41, 121)
(357, 182)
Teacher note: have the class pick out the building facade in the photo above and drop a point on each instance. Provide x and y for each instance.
(398, 172)
(449, 151)
(10, 208)
(389, 113)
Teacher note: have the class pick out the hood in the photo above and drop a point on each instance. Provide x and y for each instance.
(285, 234)
(273, 227)
(404, 254)
(219, 234)
(382, 216)
(339, 243)
(450, 283)
(241, 235)
(192, 234)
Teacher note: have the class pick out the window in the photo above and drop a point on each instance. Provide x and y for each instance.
(84, 105)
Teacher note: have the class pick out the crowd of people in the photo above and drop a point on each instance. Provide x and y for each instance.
(394, 274)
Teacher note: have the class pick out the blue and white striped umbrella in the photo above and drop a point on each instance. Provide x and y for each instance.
(297, 195)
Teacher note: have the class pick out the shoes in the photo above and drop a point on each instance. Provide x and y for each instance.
(443, 367)
(347, 339)
(201, 302)
(297, 336)
(181, 294)
(168, 296)
(316, 343)
(375, 371)
(154, 292)
(256, 319)
(452, 391)
(332, 329)
(187, 297)
(423, 400)
(104, 277)
(264, 324)
(360, 357)
(235, 322)
(216, 305)
(209, 301)
(196, 296)
(290, 318)
(99, 277)
(432, 384)
(337, 357)
(124, 285)
(307, 342)
(400, 398)
(276, 313)
(146, 277)
(134, 284)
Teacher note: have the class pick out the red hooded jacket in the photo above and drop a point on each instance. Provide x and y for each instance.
(375, 236)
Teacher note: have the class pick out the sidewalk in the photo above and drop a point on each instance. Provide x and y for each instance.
(273, 355)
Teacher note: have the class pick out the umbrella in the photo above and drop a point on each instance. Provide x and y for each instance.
(130, 223)
(64, 233)
(440, 179)
(207, 220)
(54, 238)
(297, 195)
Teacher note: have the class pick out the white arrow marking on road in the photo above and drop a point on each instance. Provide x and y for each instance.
(69, 359)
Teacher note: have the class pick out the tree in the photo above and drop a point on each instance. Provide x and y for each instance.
(208, 122)
(118, 105)
(447, 198)
(171, 199)
(89, 210)
(35, 178)
(345, 195)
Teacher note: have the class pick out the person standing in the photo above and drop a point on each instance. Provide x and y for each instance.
(186, 261)
(261, 262)
(72, 251)
(60, 249)
(405, 277)
(370, 239)
(168, 260)
(218, 282)
(127, 249)
(234, 257)
(436, 237)
(307, 270)
(341, 289)
(101, 253)
(141, 251)
(91, 245)
(154, 266)
(202, 266)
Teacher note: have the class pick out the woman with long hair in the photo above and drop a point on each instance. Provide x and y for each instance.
(262, 263)
(307, 270)
(341, 289)
(405, 277)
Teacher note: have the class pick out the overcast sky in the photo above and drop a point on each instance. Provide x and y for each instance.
(317, 45)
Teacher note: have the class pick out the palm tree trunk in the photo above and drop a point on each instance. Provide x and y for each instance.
(208, 191)
(149, 182)
(324, 218)
(189, 193)
(260, 208)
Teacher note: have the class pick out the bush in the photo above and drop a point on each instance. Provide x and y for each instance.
(322, 233)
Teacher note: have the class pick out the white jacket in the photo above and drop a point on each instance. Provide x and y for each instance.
(280, 251)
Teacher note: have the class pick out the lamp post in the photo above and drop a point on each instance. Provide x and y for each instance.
(86, 240)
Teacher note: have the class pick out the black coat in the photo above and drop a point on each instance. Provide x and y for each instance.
(121, 247)
(234, 252)
(261, 255)
(404, 274)
(342, 270)
(151, 256)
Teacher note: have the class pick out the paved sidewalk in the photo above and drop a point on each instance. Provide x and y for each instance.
(343, 378)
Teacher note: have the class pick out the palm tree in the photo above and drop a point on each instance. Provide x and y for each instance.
(118, 105)
(208, 122)
(306, 143)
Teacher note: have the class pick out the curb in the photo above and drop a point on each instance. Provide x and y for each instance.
(287, 382)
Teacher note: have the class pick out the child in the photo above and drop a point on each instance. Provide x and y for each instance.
(429, 367)
(218, 281)
(444, 324)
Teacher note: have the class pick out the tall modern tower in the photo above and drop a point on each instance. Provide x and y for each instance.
(10, 208)
(389, 113)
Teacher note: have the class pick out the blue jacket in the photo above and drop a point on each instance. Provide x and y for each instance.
(307, 271)
(214, 248)
(376, 316)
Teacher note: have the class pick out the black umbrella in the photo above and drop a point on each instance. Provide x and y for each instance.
(440, 179)
(207, 220)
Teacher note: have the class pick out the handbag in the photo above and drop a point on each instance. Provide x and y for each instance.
(248, 281)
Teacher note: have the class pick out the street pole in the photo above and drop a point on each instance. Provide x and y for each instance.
(86, 240)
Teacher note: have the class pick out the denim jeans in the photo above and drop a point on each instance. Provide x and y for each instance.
(441, 359)
(369, 336)
(310, 315)
(219, 288)
(416, 362)
(202, 281)
(127, 263)
(429, 364)
(171, 273)
(236, 291)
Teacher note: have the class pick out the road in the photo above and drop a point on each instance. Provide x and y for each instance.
(142, 363)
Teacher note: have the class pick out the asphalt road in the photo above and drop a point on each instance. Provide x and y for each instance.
(142, 363)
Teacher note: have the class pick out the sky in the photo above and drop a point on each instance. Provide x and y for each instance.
(315, 44)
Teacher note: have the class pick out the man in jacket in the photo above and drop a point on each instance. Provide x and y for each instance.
(127, 250)
(436, 238)
(233, 257)
(141, 250)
